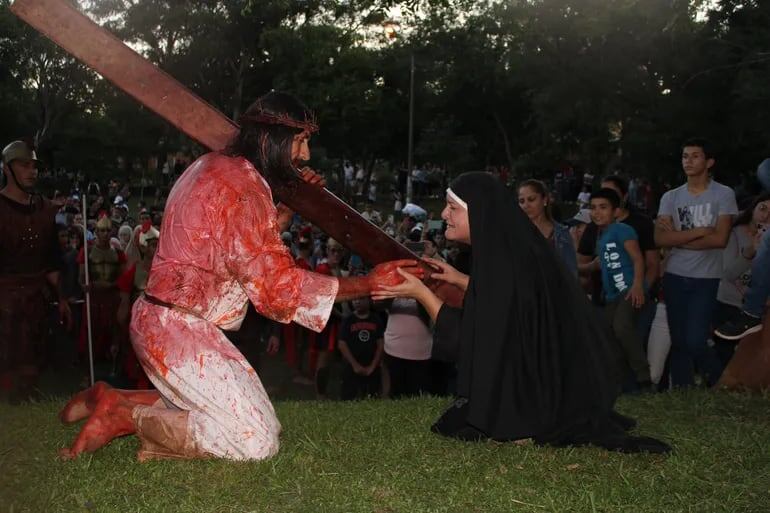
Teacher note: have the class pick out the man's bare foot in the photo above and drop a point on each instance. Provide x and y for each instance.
(83, 403)
(111, 419)
(145, 397)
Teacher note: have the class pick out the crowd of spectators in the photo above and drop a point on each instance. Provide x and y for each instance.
(122, 234)
(384, 349)
(664, 285)
(667, 285)
(119, 246)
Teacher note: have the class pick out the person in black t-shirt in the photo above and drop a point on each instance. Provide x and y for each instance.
(361, 344)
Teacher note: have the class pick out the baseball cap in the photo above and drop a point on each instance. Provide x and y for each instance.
(582, 217)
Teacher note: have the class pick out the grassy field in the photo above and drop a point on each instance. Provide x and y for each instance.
(379, 456)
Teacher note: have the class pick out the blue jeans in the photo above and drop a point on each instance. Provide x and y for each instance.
(690, 304)
(755, 299)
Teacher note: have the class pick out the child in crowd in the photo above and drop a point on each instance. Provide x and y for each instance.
(622, 269)
(361, 344)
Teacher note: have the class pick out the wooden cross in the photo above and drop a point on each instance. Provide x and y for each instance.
(161, 93)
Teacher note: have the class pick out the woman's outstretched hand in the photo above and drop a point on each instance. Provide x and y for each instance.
(447, 273)
(411, 286)
(390, 273)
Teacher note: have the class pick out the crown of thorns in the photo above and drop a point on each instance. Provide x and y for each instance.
(309, 124)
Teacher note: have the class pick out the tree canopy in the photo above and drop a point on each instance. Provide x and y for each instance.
(531, 84)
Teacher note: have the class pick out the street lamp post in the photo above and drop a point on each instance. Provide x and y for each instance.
(409, 161)
(391, 31)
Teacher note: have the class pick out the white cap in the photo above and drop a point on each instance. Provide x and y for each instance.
(582, 217)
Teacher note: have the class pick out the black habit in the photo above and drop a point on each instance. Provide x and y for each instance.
(534, 358)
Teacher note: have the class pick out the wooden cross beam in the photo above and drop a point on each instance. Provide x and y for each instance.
(161, 93)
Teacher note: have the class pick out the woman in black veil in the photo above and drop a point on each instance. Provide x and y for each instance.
(534, 359)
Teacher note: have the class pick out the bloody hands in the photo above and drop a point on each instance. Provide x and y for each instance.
(409, 286)
(393, 273)
(385, 274)
(285, 214)
(273, 344)
(310, 176)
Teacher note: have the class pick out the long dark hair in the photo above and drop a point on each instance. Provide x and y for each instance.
(267, 131)
(745, 216)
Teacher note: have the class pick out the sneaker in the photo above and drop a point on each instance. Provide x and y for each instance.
(740, 326)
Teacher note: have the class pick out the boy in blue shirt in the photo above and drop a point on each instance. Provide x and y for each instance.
(622, 268)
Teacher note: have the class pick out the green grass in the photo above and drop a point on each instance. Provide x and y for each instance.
(379, 456)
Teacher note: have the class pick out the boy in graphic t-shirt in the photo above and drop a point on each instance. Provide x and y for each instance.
(694, 220)
(622, 269)
(361, 344)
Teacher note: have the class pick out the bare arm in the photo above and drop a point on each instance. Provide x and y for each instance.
(124, 308)
(430, 302)
(636, 294)
(285, 215)
(651, 266)
(54, 281)
(348, 356)
(65, 315)
(414, 288)
(377, 356)
(632, 247)
(717, 239)
(448, 273)
(667, 237)
(388, 273)
(587, 264)
(736, 260)
(352, 288)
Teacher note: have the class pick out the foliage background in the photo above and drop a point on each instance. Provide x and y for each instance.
(600, 85)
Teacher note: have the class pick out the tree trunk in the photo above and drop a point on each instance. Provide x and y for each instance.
(240, 71)
(341, 185)
(369, 166)
(507, 143)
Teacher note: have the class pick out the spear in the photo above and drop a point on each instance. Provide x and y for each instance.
(88, 293)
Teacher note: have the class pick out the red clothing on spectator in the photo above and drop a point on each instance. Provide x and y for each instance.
(326, 340)
(125, 282)
(132, 369)
(104, 265)
(293, 332)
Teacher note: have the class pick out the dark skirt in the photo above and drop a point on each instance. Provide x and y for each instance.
(23, 316)
(608, 432)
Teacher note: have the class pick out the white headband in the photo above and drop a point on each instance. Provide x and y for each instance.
(454, 197)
